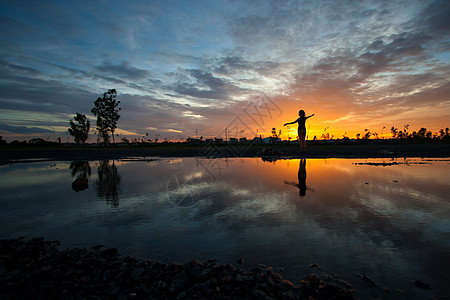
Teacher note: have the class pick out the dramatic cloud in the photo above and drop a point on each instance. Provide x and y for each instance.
(123, 70)
(182, 68)
(23, 129)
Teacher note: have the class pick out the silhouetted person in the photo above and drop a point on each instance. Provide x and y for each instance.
(301, 179)
(301, 128)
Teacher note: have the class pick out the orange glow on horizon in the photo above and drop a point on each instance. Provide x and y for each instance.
(333, 116)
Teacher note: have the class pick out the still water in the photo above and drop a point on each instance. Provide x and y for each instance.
(387, 219)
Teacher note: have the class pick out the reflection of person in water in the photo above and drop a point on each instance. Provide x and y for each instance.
(301, 128)
(301, 179)
(82, 171)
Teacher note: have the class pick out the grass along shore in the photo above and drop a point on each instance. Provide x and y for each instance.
(372, 149)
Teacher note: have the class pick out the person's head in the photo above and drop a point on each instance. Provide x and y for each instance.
(301, 113)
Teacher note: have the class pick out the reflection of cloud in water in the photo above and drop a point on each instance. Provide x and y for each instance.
(185, 189)
(331, 165)
(37, 174)
(255, 207)
(188, 194)
(381, 217)
(232, 198)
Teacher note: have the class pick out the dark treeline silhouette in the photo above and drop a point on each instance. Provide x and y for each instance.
(422, 135)
(31, 142)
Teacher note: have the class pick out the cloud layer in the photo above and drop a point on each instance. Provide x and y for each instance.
(194, 68)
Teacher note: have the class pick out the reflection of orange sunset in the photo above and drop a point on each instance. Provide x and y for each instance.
(347, 217)
(334, 180)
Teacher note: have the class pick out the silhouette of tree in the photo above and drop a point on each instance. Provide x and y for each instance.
(405, 129)
(422, 132)
(403, 134)
(444, 134)
(274, 136)
(394, 132)
(325, 136)
(367, 134)
(79, 130)
(107, 113)
(36, 141)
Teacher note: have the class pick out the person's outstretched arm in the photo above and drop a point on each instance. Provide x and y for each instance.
(290, 123)
(310, 116)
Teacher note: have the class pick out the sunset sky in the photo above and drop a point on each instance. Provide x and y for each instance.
(188, 68)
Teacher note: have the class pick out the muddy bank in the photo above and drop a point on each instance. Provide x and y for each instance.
(39, 269)
(381, 150)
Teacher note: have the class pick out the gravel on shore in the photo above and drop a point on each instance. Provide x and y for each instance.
(38, 269)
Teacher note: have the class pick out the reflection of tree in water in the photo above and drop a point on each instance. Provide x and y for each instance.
(81, 170)
(108, 183)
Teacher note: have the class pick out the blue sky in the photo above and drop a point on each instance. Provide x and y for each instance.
(182, 66)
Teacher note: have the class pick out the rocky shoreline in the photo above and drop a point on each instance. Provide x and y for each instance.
(39, 269)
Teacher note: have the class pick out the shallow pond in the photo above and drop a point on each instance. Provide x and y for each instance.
(386, 219)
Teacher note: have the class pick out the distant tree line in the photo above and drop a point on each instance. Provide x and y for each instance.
(32, 142)
(423, 133)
